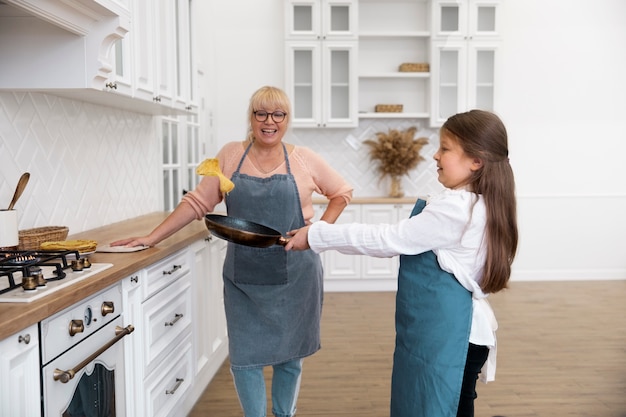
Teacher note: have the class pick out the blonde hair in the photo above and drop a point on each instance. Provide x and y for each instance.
(482, 135)
(268, 97)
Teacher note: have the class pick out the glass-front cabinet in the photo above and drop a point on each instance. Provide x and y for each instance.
(464, 57)
(321, 57)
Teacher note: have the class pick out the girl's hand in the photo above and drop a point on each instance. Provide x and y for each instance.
(299, 239)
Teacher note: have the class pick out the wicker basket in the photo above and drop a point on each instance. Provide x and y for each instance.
(31, 239)
(389, 108)
(414, 67)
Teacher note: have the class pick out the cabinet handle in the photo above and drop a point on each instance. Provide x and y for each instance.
(173, 390)
(112, 85)
(24, 339)
(173, 322)
(188, 108)
(157, 99)
(134, 279)
(171, 271)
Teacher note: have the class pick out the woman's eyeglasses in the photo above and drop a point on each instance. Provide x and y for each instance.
(262, 115)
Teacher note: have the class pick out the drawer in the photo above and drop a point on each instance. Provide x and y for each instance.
(166, 320)
(164, 272)
(171, 382)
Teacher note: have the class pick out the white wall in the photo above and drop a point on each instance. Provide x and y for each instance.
(561, 92)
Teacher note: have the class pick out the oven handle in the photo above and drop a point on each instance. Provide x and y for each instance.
(65, 376)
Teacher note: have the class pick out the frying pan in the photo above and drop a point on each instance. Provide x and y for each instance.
(243, 232)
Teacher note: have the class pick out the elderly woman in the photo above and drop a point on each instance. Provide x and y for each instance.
(273, 298)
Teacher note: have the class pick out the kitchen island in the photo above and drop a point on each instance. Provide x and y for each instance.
(17, 316)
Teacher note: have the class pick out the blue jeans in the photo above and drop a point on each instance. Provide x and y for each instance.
(250, 386)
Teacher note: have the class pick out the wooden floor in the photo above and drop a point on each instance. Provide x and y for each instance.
(561, 352)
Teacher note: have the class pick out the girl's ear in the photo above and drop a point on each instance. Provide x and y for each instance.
(477, 164)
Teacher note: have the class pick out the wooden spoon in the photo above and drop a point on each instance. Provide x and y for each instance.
(21, 184)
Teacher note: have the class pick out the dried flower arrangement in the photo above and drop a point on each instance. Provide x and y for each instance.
(397, 152)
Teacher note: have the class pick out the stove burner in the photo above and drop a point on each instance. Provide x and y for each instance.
(17, 268)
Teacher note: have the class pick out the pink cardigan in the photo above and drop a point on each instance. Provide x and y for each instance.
(311, 172)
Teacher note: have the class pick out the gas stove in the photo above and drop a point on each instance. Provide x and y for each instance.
(27, 276)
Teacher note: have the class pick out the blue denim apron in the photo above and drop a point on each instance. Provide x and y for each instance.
(433, 322)
(273, 298)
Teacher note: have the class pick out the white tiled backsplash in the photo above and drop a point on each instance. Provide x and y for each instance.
(92, 165)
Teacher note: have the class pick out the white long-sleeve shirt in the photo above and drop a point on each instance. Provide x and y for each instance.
(452, 225)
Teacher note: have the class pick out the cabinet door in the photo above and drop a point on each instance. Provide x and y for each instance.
(380, 267)
(321, 19)
(450, 18)
(322, 83)
(303, 59)
(449, 74)
(143, 50)
(338, 265)
(482, 18)
(19, 374)
(481, 75)
(120, 80)
(339, 19)
(339, 83)
(302, 19)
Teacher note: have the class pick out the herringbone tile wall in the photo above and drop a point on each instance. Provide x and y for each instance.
(90, 165)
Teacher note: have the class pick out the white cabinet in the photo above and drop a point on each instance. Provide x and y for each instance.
(131, 55)
(321, 58)
(359, 272)
(161, 45)
(210, 341)
(159, 300)
(19, 374)
(392, 33)
(464, 54)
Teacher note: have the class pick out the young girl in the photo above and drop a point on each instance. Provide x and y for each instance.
(454, 250)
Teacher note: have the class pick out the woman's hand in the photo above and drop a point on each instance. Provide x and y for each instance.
(299, 239)
(132, 242)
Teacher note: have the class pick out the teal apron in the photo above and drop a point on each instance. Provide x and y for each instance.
(273, 298)
(433, 322)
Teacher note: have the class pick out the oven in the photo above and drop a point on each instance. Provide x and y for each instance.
(81, 347)
(82, 358)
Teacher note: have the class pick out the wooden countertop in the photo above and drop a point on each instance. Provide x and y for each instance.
(17, 316)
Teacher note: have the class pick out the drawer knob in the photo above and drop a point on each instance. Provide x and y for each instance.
(24, 339)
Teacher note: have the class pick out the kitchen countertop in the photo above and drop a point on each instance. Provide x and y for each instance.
(17, 316)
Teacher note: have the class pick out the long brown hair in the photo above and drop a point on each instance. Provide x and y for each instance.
(482, 135)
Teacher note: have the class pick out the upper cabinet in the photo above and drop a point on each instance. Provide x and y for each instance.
(394, 70)
(464, 54)
(134, 55)
(321, 59)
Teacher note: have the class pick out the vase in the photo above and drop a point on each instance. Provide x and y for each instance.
(396, 187)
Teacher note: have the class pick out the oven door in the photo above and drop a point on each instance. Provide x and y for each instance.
(96, 388)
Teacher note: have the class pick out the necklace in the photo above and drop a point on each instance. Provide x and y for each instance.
(258, 165)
